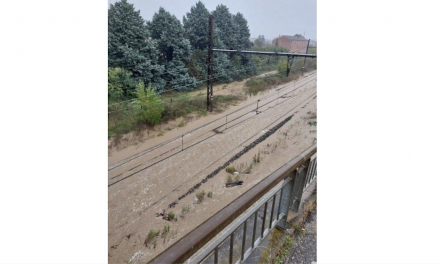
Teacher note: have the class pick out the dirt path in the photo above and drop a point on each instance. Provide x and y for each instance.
(134, 201)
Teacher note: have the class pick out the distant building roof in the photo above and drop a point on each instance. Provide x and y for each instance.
(296, 37)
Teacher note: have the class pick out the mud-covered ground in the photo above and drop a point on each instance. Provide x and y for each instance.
(145, 186)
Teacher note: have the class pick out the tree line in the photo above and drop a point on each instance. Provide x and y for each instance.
(166, 54)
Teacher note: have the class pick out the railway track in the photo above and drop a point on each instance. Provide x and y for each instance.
(169, 148)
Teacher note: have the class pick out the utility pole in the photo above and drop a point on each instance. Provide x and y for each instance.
(210, 64)
(307, 51)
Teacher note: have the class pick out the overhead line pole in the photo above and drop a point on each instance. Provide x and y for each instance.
(307, 51)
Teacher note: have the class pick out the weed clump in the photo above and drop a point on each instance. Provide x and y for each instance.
(165, 230)
(172, 216)
(230, 169)
(257, 157)
(185, 210)
(200, 196)
(248, 169)
(181, 122)
(151, 235)
(210, 194)
(299, 229)
(229, 179)
(237, 178)
(160, 134)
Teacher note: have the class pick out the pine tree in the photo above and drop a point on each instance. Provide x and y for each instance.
(195, 24)
(226, 27)
(129, 44)
(174, 49)
(243, 43)
(242, 32)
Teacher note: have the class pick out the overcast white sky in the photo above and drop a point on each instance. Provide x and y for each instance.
(265, 17)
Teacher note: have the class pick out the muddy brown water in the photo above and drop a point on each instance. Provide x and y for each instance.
(134, 201)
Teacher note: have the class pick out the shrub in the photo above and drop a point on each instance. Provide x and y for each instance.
(149, 103)
(160, 134)
(118, 80)
(230, 169)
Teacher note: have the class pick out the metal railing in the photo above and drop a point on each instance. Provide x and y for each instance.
(232, 234)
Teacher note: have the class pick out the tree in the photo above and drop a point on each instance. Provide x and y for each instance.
(174, 49)
(150, 105)
(226, 28)
(195, 24)
(129, 44)
(242, 32)
(260, 42)
(243, 43)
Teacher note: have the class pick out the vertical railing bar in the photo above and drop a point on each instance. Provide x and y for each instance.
(273, 209)
(255, 229)
(243, 243)
(264, 220)
(312, 169)
(316, 167)
(316, 170)
(216, 255)
(231, 248)
(309, 173)
(279, 204)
